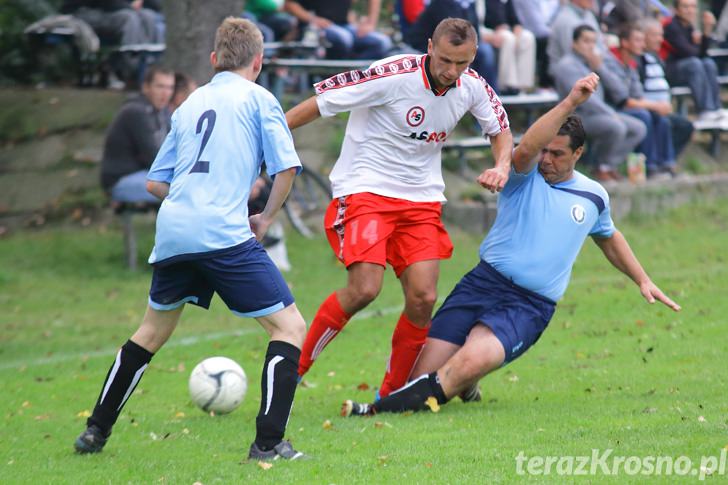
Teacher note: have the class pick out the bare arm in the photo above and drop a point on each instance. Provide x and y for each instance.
(297, 10)
(303, 113)
(158, 189)
(282, 184)
(547, 126)
(618, 252)
(494, 179)
(375, 7)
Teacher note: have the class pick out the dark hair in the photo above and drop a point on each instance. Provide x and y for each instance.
(573, 128)
(457, 32)
(626, 29)
(155, 69)
(580, 30)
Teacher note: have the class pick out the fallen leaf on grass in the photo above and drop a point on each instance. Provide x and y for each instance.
(185, 431)
(265, 465)
(179, 414)
(26, 404)
(513, 378)
(42, 417)
(327, 424)
(428, 465)
(383, 459)
(84, 414)
(363, 386)
(331, 374)
(701, 419)
(432, 404)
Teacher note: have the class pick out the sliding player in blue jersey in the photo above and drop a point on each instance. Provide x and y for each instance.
(499, 309)
(206, 243)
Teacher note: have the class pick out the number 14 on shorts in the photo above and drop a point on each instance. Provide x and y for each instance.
(369, 232)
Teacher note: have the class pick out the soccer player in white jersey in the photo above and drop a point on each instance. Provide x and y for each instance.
(205, 242)
(387, 183)
(499, 309)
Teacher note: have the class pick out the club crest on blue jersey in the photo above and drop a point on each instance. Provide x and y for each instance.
(578, 214)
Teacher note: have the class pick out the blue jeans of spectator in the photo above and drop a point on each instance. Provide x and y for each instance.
(132, 188)
(682, 131)
(486, 64)
(657, 145)
(701, 75)
(345, 44)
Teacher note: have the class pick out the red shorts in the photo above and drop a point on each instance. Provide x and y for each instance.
(370, 228)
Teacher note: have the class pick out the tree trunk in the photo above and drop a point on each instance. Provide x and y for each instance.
(191, 26)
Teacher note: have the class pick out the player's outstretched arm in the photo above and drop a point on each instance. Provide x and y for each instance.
(547, 126)
(494, 179)
(618, 252)
(303, 113)
(282, 184)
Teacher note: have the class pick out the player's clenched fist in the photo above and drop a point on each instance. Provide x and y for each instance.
(494, 179)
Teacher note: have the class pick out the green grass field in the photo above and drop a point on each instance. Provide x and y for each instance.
(611, 372)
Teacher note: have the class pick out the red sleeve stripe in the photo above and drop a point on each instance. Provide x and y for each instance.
(351, 78)
(495, 101)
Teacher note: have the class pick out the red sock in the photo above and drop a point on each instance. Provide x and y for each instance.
(407, 342)
(327, 323)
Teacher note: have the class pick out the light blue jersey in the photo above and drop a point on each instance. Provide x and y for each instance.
(211, 158)
(540, 229)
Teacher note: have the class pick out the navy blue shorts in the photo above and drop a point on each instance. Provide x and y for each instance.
(244, 277)
(516, 315)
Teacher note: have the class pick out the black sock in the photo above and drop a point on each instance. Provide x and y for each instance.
(413, 396)
(278, 386)
(120, 382)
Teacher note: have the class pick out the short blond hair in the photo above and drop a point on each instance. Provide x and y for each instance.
(237, 42)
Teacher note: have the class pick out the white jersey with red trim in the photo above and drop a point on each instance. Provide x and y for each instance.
(398, 124)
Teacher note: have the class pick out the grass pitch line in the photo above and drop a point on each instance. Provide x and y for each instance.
(363, 315)
(173, 342)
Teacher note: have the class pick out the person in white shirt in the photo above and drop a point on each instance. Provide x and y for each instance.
(387, 183)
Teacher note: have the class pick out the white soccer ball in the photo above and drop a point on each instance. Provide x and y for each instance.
(218, 384)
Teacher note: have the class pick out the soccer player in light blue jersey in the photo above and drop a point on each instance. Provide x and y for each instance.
(205, 241)
(500, 309)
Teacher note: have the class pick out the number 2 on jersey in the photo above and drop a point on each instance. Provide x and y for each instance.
(369, 234)
(201, 166)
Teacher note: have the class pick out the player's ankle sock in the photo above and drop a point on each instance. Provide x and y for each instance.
(123, 377)
(327, 323)
(407, 342)
(278, 386)
(413, 396)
